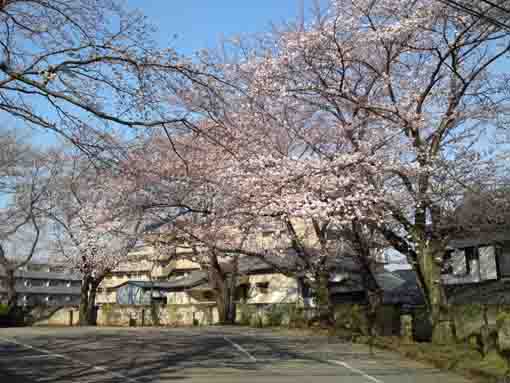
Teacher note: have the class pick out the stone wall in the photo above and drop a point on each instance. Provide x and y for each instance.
(469, 318)
(157, 315)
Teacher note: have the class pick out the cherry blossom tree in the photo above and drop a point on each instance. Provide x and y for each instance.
(85, 68)
(25, 177)
(415, 84)
(98, 216)
(374, 116)
(241, 175)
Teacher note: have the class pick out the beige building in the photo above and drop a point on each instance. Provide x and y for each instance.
(144, 264)
(183, 281)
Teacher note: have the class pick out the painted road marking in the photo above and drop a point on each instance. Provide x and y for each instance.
(357, 371)
(43, 356)
(239, 348)
(49, 353)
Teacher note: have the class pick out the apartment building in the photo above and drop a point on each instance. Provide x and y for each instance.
(44, 284)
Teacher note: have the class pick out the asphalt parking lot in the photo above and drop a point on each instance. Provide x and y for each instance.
(213, 355)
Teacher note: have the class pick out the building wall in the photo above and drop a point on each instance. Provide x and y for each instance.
(272, 288)
(43, 285)
(469, 318)
(47, 316)
(181, 298)
(139, 269)
(166, 315)
(463, 270)
(482, 268)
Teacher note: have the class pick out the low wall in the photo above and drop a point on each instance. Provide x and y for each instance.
(469, 318)
(157, 315)
(272, 314)
(353, 317)
(53, 316)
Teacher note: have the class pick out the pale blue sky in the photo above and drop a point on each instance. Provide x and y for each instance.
(191, 25)
(202, 23)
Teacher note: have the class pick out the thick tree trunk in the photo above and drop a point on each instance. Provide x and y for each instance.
(12, 295)
(222, 303)
(375, 298)
(91, 309)
(231, 318)
(429, 262)
(220, 281)
(324, 304)
(84, 301)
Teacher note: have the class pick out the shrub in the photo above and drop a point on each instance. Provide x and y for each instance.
(3, 310)
(297, 317)
(275, 315)
(247, 312)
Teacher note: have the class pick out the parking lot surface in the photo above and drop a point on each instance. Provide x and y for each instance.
(199, 355)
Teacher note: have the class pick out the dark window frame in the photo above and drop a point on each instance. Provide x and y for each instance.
(499, 263)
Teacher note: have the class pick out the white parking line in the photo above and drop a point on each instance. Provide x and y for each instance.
(44, 356)
(239, 348)
(357, 371)
(49, 353)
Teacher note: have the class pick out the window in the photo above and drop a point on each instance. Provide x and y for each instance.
(504, 261)
(471, 259)
(447, 267)
(458, 263)
(208, 296)
(263, 287)
(487, 259)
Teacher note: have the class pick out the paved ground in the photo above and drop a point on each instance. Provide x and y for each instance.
(212, 355)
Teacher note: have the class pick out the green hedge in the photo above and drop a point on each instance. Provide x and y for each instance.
(3, 310)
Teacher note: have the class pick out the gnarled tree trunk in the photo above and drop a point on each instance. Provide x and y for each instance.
(222, 289)
(324, 304)
(84, 301)
(12, 295)
(91, 309)
(430, 257)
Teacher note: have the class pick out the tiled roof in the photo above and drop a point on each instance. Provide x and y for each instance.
(408, 293)
(289, 261)
(399, 287)
(195, 278)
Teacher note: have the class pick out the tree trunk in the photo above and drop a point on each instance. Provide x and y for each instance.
(375, 298)
(220, 281)
(429, 262)
(324, 304)
(91, 309)
(231, 319)
(84, 301)
(222, 302)
(12, 295)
